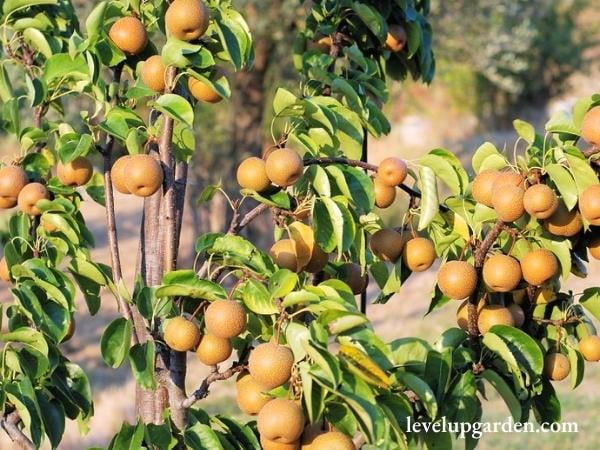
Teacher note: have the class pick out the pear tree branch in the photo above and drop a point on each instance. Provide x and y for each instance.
(9, 424)
(215, 375)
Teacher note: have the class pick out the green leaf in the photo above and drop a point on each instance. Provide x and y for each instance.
(429, 197)
(326, 362)
(547, 405)
(283, 100)
(258, 299)
(486, 150)
(565, 183)
(95, 22)
(505, 391)
(371, 18)
(201, 437)
(423, 391)
(176, 107)
(115, 342)
(234, 35)
(583, 173)
(577, 366)
(53, 417)
(141, 358)
(525, 130)
(12, 5)
(282, 283)
(526, 350)
(185, 283)
(185, 54)
(437, 372)
(590, 300)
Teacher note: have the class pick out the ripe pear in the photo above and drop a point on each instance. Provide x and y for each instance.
(589, 347)
(556, 366)
(384, 194)
(564, 222)
(590, 126)
(76, 173)
(539, 266)
(284, 167)
(281, 420)
(181, 334)
(333, 440)
(202, 91)
(501, 273)
(593, 246)
(589, 204)
(418, 254)
(213, 350)
(225, 319)
(387, 244)
(187, 20)
(396, 38)
(4, 271)
(29, 196)
(251, 174)
(518, 314)
(153, 73)
(283, 253)
(143, 175)
(352, 275)
(129, 35)
(250, 395)
(272, 445)
(491, 315)
(392, 171)
(483, 185)
(12, 180)
(508, 177)
(507, 200)
(304, 239)
(540, 201)
(462, 313)
(270, 364)
(457, 279)
(118, 175)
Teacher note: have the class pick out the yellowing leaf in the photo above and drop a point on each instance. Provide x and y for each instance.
(304, 238)
(362, 365)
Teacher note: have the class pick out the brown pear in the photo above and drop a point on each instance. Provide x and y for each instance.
(143, 175)
(590, 126)
(187, 20)
(540, 201)
(267, 444)
(225, 319)
(384, 194)
(281, 420)
(392, 171)
(501, 273)
(351, 274)
(483, 185)
(462, 313)
(418, 254)
(318, 260)
(508, 201)
(539, 266)
(12, 180)
(283, 253)
(29, 196)
(129, 35)
(457, 279)
(564, 222)
(396, 38)
(181, 334)
(491, 315)
(213, 350)
(322, 44)
(509, 177)
(518, 314)
(118, 176)
(202, 91)
(75, 173)
(556, 366)
(387, 244)
(252, 174)
(250, 395)
(270, 364)
(589, 204)
(153, 73)
(284, 167)
(333, 440)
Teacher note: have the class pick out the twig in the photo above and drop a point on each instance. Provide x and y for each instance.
(215, 375)
(480, 252)
(9, 424)
(590, 151)
(237, 225)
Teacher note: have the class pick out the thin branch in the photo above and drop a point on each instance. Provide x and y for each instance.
(215, 375)
(9, 424)
(481, 251)
(590, 151)
(238, 222)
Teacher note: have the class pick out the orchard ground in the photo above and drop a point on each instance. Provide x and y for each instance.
(402, 316)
